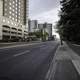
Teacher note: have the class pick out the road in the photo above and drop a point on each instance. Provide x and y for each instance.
(26, 62)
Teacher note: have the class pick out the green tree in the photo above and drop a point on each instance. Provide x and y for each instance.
(38, 34)
(69, 24)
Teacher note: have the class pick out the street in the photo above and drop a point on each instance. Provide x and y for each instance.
(26, 62)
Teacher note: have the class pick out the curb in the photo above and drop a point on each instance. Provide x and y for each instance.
(51, 72)
(76, 45)
(76, 63)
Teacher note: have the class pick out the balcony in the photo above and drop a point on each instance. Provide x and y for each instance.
(13, 33)
(6, 29)
(6, 34)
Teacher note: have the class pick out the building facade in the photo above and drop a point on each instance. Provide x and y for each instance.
(40, 26)
(33, 25)
(13, 19)
(46, 27)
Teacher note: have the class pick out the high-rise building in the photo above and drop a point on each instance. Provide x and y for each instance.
(13, 19)
(40, 26)
(47, 27)
(33, 25)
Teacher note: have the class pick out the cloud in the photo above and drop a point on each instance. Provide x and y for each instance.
(40, 6)
(44, 11)
(50, 16)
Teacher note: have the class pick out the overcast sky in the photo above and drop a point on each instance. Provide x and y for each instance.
(44, 10)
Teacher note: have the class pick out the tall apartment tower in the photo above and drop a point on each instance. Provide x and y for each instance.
(13, 19)
(47, 27)
(32, 25)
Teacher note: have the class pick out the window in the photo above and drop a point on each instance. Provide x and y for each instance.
(16, 16)
(16, 12)
(16, 0)
(10, 12)
(19, 3)
(13, 6)
(15, 24)
(16, 4)
(19, 10)
(5, 14)
(10, 4)
(10, 17)
(19, 21)
(16, 19)
(13, 10)
(4, 20)
(8, 22)
(12, 23)
(16, 8)
(10, 8)
(5, 9)
(19, 14)
(19, 6)
(5, 4)
(13, 2)
(19, 17)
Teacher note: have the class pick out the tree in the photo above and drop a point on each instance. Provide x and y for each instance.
(69, 24)
(38, 34)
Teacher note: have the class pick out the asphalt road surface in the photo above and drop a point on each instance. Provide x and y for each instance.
(26, 62)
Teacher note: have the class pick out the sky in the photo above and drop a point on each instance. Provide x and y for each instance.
(44, 10)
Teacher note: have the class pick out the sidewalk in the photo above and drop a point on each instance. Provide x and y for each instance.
(65, 65)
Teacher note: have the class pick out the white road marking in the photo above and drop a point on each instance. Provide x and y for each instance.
(21, 53)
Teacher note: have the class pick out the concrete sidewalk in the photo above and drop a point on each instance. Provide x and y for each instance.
(64, 58)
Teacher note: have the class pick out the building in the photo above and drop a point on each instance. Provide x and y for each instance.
(40, 26)
(13, 19)
(32, 25)
(46, 27)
